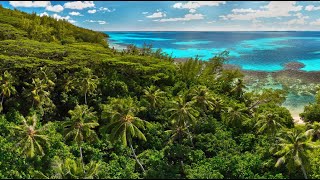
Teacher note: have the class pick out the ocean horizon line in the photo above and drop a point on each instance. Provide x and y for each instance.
(208, 31)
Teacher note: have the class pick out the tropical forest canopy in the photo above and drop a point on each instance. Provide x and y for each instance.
(71, 107)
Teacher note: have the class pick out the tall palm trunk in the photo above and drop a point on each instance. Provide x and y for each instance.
(85, 97)
(135, 157)
(181, 159)
(1, 109)
(2, 98)
(182, 173)
(304, 172)
(82, 158)
(190, 136)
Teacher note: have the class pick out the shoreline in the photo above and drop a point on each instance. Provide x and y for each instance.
(289, 75)
(297, 120)
(292, 72)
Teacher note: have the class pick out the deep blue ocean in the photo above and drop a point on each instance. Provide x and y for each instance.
(265, 51)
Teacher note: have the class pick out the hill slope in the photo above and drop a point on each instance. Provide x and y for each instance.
(19, 25)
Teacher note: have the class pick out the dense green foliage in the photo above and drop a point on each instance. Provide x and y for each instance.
(73, 108)
(19, 25)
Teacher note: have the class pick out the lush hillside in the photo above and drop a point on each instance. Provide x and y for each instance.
(19, 25)
(73, 108)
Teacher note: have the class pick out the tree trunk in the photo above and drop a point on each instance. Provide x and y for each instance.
(135, 157)
(2, 103)
(304, 172)
(182, 173)
(85, 97)
(181, 160)
(82, 159)
(189, 134)
(255, 104)
(2, 98)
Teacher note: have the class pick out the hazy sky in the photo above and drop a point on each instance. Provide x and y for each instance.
(180, 15)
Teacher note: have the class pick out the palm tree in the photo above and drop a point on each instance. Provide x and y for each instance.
(268, 122)
(71, 169)
(30, 136)
(40, 92)
(154, 96)
(80, 126)
(238, 89)
(183, 113)
(86, 83)
(266, 96)
(176, 133)
(202, 97)
(293, 146)
(7, 87)
(235, 115)
(219, 105)
(124, 124)
(314, 129)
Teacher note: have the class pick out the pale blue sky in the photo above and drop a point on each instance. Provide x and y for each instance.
(180, 15)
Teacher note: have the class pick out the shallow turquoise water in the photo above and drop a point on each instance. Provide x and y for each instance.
(310, 64)
(191, 42)
(262, 67)
(264, 51)
(203, 53)
(258, 51)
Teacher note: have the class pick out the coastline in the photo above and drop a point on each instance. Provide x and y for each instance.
(289, 75)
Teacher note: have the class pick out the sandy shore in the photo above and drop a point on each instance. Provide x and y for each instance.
(297, 120)
(290, 71)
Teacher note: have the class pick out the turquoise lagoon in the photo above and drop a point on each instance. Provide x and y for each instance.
(253, 51)
(264, 51)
